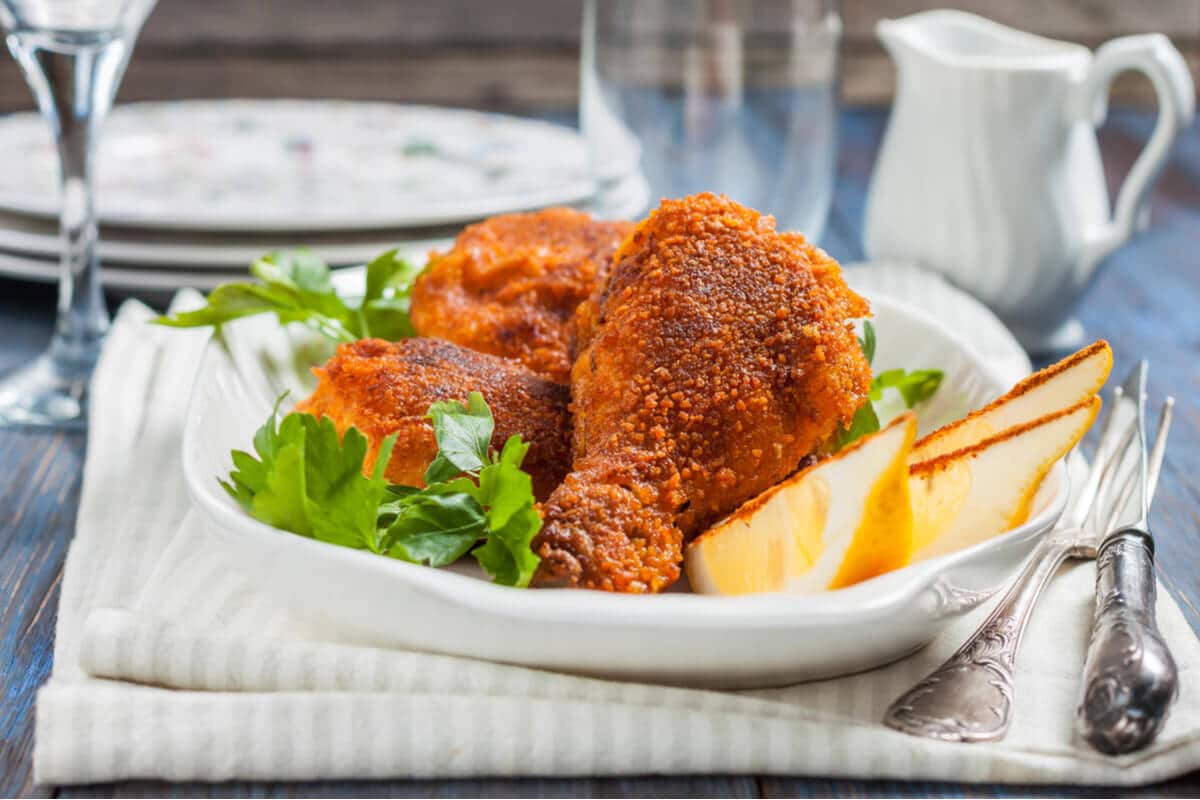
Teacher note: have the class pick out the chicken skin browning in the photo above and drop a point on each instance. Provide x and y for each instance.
(511, 284)
(720, 353)
(387, 387)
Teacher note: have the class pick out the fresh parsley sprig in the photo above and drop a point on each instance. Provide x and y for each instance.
(295, 286)
(475, 500)
(492, 501)
(309, 480)
(914, 388)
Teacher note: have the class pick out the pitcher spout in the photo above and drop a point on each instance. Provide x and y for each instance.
(895, 36)
(958, 38)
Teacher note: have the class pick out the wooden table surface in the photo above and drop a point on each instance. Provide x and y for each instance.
(1146, 302)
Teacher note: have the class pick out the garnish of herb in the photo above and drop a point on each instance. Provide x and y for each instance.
(914, 387)
(308, 480)
(295, 286)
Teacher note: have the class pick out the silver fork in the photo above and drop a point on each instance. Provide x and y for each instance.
(969, 697)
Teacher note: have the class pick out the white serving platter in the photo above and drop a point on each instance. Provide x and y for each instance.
(27, 237)
(676, 637)
(159, 279)
(303, 165)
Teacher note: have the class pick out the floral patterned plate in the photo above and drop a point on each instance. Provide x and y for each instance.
(254, 165)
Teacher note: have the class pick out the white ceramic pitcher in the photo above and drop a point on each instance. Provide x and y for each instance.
(990, 172)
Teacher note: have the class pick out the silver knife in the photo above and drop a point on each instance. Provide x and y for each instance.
(1129, 678)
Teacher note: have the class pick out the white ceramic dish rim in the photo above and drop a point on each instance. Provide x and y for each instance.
(441, 213)
(41, 248)
(769, 610)
(123, 279)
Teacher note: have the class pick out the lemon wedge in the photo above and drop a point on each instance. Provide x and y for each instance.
(841, 521)
(962, 498)
(1059, 386)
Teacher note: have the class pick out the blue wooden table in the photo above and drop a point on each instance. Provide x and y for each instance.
(1146, 302)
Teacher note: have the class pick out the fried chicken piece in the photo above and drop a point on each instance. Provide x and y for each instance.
(511, 284)
(720, 354)
(387, 387)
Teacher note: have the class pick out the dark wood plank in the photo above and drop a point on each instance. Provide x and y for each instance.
(38, 494)
(413, 23)
(503, 79)
(832, 787)
(696, 786)
(1144, 301)
(37, 514)
(407, 25)
(349, 24)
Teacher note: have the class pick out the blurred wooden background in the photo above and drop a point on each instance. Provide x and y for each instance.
(514, 55)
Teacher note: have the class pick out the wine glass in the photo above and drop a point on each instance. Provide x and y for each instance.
(73, 54)
(731, 96)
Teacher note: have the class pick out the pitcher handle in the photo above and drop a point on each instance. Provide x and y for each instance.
(1154, 56)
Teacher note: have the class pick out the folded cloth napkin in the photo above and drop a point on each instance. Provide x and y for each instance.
(171, 662)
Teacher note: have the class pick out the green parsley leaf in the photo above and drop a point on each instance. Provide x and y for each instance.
(232, 301)
(502, 491)
(296, 286)
(298, 269)
(307, 279)
(435, 529)
(308, 480)
(385, 305)
(507, 555)
(389, 275)
(865, 421)
(506, 491)
(919, 386)
(914, 387)
(464, 436)
(340, 502)
(514, 450)
(867, 341)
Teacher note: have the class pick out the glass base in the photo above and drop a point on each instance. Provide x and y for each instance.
(50, 392)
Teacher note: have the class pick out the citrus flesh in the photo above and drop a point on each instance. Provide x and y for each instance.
(841, 521)
(968, 496)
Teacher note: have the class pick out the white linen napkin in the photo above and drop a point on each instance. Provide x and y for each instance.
(170, 662)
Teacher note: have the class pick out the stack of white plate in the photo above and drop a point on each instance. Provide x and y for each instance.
(189, 193)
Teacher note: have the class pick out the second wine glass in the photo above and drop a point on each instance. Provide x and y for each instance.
(73, 55)
(730, 96)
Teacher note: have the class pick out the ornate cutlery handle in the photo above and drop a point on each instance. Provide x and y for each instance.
(969, 698)
(1129, 679)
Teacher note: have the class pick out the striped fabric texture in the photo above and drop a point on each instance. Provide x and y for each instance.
(172, 663)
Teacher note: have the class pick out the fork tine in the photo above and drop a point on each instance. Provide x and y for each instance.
(1154, 464)
(1084, 501)
(1110, 455)
(1159, 451)
(1116, 471)
(1117, 490)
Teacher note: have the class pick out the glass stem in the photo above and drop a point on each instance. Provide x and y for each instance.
(74, 77)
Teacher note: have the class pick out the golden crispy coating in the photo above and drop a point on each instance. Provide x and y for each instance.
(511, 284)
(720, 353)
(387, 387)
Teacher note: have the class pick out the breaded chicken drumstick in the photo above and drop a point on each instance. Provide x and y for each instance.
(720, 353)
